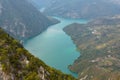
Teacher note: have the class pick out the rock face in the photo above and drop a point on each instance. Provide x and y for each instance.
(80, 8)
(99, 45)
(16, 63)
(21, 19)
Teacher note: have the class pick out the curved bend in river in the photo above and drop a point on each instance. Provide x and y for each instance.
(55, 47)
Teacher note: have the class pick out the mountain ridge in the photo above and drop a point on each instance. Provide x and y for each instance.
(21, 19)
(88, 9)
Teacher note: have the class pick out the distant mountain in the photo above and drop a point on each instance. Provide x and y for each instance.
(16, 63)
(115, 1)
(21, 19)
(99, 46)
(40, 3)
(81, 8)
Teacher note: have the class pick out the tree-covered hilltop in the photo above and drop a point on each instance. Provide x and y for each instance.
(99, 46)
(21, 19)
(16, 63)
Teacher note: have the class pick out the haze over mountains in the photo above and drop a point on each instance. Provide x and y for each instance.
(80, 8)
(98, 41)
(21, 19)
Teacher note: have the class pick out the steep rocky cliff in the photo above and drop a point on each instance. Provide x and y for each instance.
(21, 19)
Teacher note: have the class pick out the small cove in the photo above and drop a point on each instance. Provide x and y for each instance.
(55, 47)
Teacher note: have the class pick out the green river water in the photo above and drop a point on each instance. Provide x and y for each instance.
(54, 46)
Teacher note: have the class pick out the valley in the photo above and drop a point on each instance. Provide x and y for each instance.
(55, 47)
(59, 40)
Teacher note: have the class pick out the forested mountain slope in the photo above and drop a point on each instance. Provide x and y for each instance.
(99, 46)
(16, 63)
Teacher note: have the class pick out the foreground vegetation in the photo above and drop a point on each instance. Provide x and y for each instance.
(99, 45)
(16, 63)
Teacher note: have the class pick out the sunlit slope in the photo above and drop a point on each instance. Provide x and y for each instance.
(99, 45)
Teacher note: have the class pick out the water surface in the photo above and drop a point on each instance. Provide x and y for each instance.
(55, 47)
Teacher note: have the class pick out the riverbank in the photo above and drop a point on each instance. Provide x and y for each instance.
(54, 46)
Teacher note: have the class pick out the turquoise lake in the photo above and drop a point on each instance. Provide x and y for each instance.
(54, 46)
